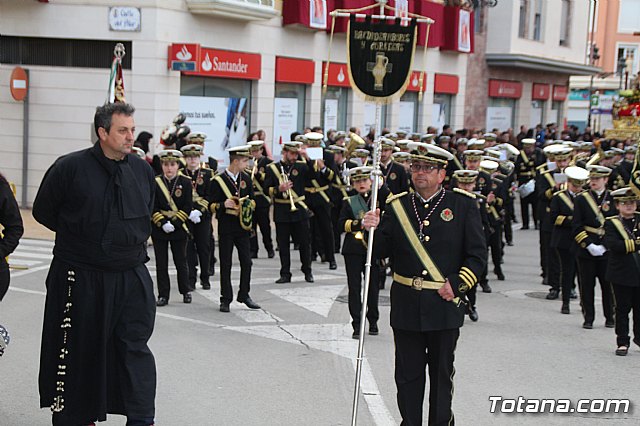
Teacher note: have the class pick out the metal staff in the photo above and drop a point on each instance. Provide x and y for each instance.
(377, 151)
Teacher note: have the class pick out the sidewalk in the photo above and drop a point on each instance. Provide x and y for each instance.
(33, 229)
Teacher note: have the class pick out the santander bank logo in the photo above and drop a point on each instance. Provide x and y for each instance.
(236, 67)
(184, 54)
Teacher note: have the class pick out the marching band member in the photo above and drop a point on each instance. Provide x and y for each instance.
(173, 204)
(261, 217)
(232, 200)
(395, 176)
(199, 247)
(622, 239)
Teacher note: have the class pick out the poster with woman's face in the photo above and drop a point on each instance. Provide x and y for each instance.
(464, 31)
(318, 14)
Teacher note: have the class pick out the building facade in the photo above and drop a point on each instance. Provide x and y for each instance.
(525, 52)
(233, 66)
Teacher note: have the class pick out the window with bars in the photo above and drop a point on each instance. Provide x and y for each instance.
(61, 52)
(565, 22)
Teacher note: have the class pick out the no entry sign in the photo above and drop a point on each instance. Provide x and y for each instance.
(19, 84)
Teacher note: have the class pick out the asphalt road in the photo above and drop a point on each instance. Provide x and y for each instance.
(292, 362)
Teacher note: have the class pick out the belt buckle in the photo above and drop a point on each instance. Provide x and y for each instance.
(416, 283)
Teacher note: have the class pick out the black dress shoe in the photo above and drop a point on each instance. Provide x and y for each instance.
(308, 277)
(205, 285)
(356, 334)
(473, 315)
(250, 303)
(186, 298)
(254, 255)
(270, 254)
(373, 329)
(553, 294)
(224, 307)
(333, 265)
(283, 280)
(587, 325)
(573, 294)
(500, 276)
(565, 309)
(622, 350)
(486, 288)
(162, 301)
(610, 323)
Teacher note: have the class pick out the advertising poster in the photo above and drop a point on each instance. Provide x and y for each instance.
(439, 116)
(499, 118)
(318, 14)
(331, 114)
(407, 113)
(369, 117)
(464, 31)
(222, 119)
(285, 122)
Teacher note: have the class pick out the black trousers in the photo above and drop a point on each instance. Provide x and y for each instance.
(495, 244)
(414, 351)
(508, 231)
(337, 232)
(5, 277)
(525, 202)
(179, 251)
(354, 264)
(261, 218)
(567, 261)
(323, 231)
(241, 242)
(549, 261)
(627, 300)
(590, 269)
(212, 256)
(300, 233)
(198, 251)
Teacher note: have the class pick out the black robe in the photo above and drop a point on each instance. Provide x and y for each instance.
(98, 288)
(11, 222)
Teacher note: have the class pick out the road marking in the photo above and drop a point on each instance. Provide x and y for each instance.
(20, 254)
(318, 299)
(24, 290)
(28, 271)
(46, 243)
(31, 248)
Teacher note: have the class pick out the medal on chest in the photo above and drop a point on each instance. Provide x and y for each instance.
(178, 191)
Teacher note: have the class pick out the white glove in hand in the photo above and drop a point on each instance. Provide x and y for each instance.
(194, 216)
(168, 227)
(595, 250)
(602, 249)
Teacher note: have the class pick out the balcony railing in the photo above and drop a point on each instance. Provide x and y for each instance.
(247, 10)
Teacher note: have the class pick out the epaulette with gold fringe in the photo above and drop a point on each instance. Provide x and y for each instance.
(396, 196)
(463, 192)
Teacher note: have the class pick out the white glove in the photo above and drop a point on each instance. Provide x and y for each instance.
(596, 250)
(168, 227)
(194, 216)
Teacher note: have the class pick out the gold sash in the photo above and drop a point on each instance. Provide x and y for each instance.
(172, 204)
(595, 208)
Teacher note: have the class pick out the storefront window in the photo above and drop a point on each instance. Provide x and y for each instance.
(501, 114)
(441, 113)
(537, 113)
(219, 107)
(334, 108)
(288, 113)
(555, 115)
(408, 112)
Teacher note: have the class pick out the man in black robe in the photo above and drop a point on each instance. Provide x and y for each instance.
(100, 308)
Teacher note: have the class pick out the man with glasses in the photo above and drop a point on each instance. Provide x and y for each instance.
(436, 239)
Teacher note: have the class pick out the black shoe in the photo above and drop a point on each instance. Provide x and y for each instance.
(565, 309)
(510, 243)
(573, 294)
(283, 280)
(224, 307)
(473, 315)
(162, 301)
(333, 265)
(373, 329)
(610, 323)
(356, 334)
(186, 298)
(250, 303)
(486, 288)
(308, 277)
(553, 294)
(323, 258)
(524, 228)
(500, 276)
(205, 285)
(622, 350)
(271, 254)
(254, 255)
(587, 325)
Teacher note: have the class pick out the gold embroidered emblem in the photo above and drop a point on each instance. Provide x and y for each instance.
(393, 176)
(243, 184)
(179, 191)
(294, 172)
(447, 215)
(606, 207)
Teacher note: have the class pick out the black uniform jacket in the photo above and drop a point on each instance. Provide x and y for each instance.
(201, 183)
(620, 175)
(10, 220)
(455, 244)
(561, 217)
(339, 190)
(395, 177)
(263, 201)
(100, 209)
(589, 215)
(221, 187)
(318, 185)
(298, 173)
(181, 192)
(545, 187)
(355, 240)
(525, 166)
(622, 239)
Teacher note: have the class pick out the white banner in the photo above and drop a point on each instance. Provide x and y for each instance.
(498, 118)
(222, 119)
(439, 116)
(407, 113)
(285, 122)
(331, 114)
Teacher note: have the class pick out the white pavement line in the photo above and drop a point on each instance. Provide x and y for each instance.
(29, 271)
(45, 243)
(24, 290)
(28, 255)
(191, 320)
(23, 262)
(30, 248)
(318, 299)
(371, 394)
(294, 280)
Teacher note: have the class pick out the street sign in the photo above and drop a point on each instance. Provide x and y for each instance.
(19, 84)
